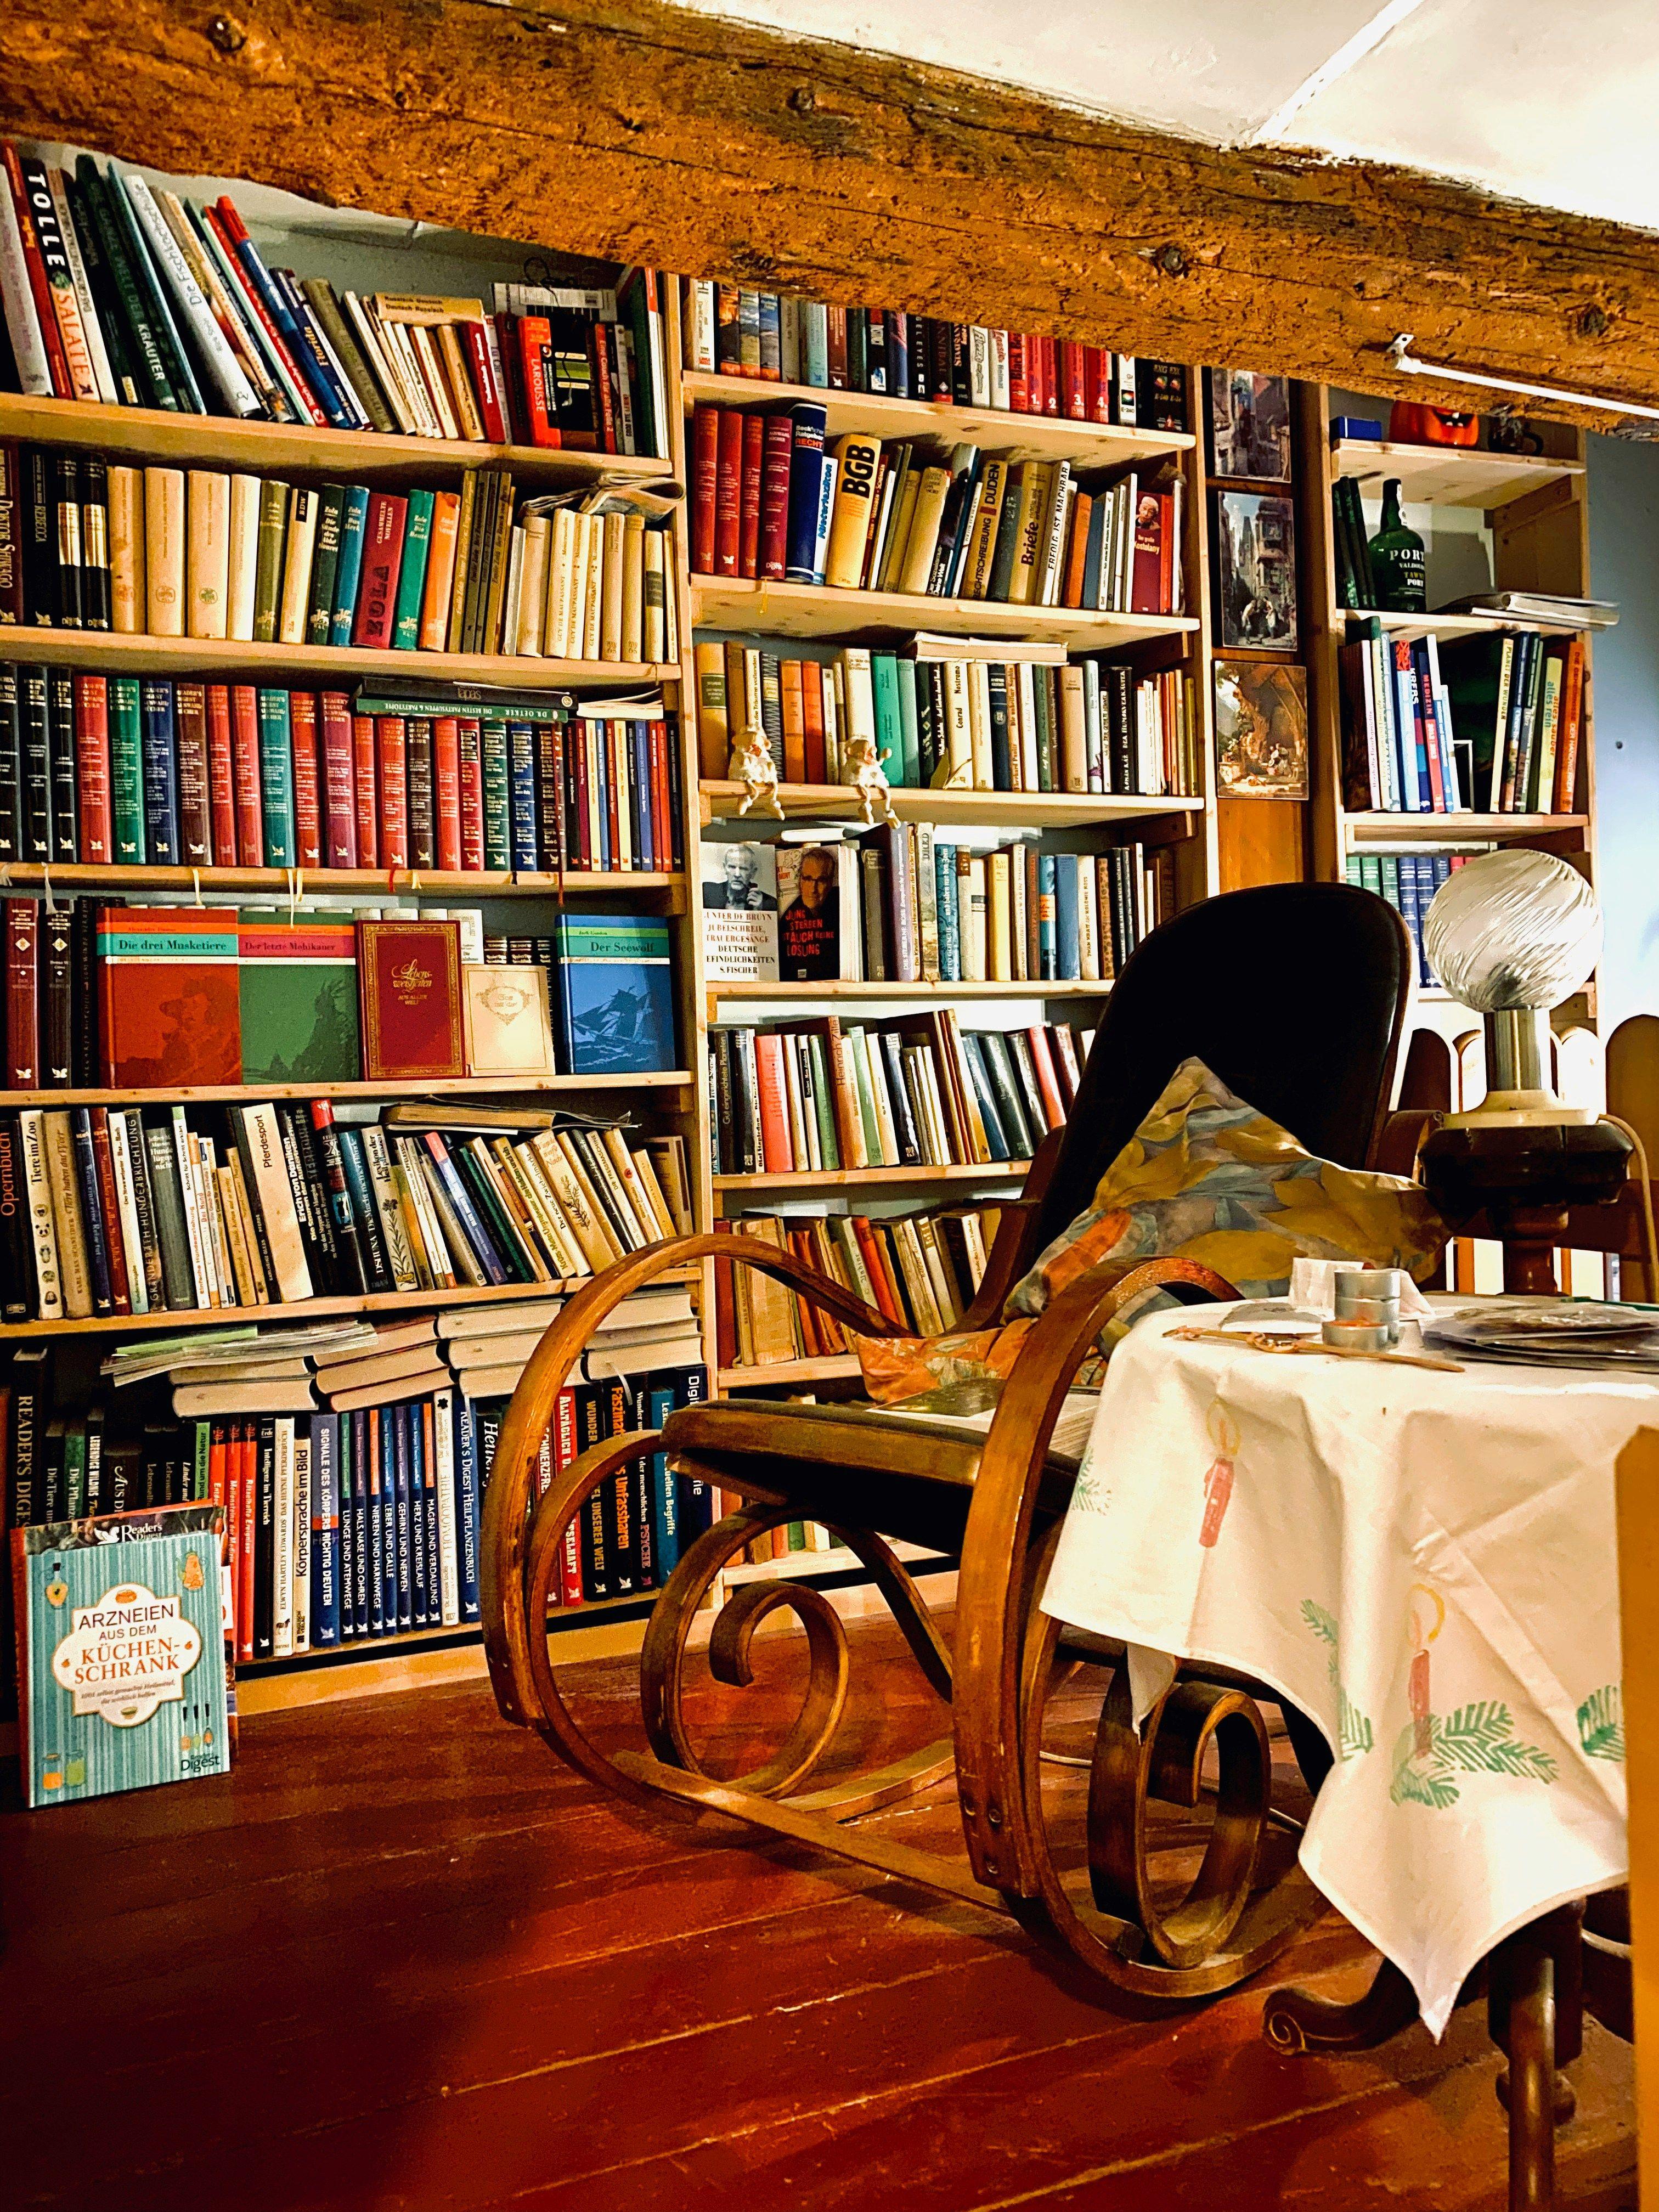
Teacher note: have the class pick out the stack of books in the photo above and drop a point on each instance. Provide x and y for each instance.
(816, 1097)
(191, 1209)
(921, 1270)
(1408, 881)
(179, 771)
(89, 543)
(770, 500)
(778, 337)
(954, 714)
(129, 294)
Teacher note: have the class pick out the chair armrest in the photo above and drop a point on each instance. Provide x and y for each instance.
(1401, 1139)
(1015, 1246)
(506, 1532)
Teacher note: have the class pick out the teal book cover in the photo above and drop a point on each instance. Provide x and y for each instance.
(615, 992)
(297, 986)
(122, 1648)
(277, 778)
(889, 730)
(412, 576)
(126, 771)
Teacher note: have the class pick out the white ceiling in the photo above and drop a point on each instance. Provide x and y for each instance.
(1527, 98)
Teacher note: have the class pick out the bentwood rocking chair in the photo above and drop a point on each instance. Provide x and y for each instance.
(1294, 995)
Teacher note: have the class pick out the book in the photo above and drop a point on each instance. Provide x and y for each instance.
(411, 1000)
(615, 994)
(739, 881)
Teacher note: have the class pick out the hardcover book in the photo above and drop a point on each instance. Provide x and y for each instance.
(741, 912)
(169, 1013)
(120, 1650)
(509, 1031)
(408, 976)
(809, 912)
(297, 986)
(615, 994)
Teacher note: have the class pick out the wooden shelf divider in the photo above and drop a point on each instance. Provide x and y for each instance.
(735, 603)
(1031, 810)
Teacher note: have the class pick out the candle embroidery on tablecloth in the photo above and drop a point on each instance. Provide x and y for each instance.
(1218, 1477)
(1476, 1739)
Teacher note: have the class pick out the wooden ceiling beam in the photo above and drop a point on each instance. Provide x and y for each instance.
(628, 129)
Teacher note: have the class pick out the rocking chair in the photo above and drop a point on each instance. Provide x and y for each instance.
(1294, 995)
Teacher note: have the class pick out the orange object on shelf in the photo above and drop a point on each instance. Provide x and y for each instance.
(1410, 423)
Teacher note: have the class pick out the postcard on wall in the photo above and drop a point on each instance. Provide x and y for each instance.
(1262, 729)
(739, 912)
(1255, 571)
(1249, 425)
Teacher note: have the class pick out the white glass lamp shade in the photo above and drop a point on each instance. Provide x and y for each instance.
(1513, 930)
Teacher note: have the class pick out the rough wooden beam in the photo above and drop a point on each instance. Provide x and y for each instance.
(625, 128)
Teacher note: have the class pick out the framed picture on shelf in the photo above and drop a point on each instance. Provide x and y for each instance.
(1262, 729)
(1249, 425)
(1256, 572)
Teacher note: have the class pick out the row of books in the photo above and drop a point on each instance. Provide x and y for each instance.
(921, 1270)
(778, 337)
(770, 500)
(903, 905)
(916, 1091)
(184, 771)
(954, 713)
(1492, 722)
(89, 543)
(119, 1210)
(1408, 881)
(118, 292)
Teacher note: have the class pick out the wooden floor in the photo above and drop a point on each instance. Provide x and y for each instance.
(400, 1959)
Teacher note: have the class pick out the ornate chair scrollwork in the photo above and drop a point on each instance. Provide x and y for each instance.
(1294, 995)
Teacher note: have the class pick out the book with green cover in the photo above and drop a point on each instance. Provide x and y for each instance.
(277, 778)
(268, 559)
(890, 730)
(324, 563)
(122, 1651)
(297, 986)
(150, 363)
(126, 771)
(411, 577)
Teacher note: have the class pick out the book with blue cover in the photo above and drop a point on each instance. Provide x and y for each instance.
(616, 994)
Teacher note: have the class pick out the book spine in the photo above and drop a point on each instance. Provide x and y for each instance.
(126, 771)
(307, 781)
(92, 768)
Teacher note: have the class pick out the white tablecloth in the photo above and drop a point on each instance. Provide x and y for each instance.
(1425, 1564)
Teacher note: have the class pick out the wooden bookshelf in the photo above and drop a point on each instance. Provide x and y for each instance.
(792, 1374)
(998, 430)
(1450, 625)
(103, 652)
(816, 993)
(1461, 829)
(1025, 810)
(448, 1086)
(735, 603)
(359, 456)
(1449, 476)
(809, 1179)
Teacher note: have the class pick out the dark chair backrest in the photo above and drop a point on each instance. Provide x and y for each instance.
(1292, 994)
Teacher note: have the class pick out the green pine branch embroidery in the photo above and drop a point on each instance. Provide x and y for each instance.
(1323, 1623)
(1602, 1724)
(1476, 1739)
(1353, 1729)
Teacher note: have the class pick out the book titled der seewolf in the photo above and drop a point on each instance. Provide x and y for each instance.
(615, 994)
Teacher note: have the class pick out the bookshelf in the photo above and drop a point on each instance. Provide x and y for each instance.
(108, 653)
(818, 610)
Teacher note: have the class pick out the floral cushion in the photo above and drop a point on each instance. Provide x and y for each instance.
(1204, 1177)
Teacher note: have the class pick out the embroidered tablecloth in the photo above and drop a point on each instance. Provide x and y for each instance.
(1425, 1564)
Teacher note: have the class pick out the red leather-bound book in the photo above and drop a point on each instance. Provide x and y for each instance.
(364, 788)
(103, 1161)
(485, 389)
(446, 790)
(1051, 398)
(535, 348)
(774, 497)
(1170, 552)
(1019, 374)
(308, 780)
(1097, 385)
(705, 478)
(383, 558)
(191, 738)
(811, 714)
(1073, 402)
(409, 975)
(391, 751)
(1144, 579)
(577, 847)
(339, 781)
(245, 769)
(473, 805)
(221, 778)
(728, 498)
(92, 768)
(749, 495)
(22, 995)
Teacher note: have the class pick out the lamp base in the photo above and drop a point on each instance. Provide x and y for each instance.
(1515, 1179)
(1521, 1109)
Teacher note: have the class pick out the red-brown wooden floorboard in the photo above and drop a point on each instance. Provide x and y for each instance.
(401, 1960)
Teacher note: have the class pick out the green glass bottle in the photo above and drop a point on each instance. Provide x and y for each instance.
(1397, 560)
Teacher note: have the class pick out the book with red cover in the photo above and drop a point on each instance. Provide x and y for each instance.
(22, 994)
(602, 365)
(777, 446)
(363, 790)
(446, 791)
(472, 801)
(1147, 577)
(576, 842)
(485, 391)
(391, 747)
(535, 353)
(1051, 404)
(506, 328)
(812, 700)
(705, 478)
(408, 976)
(195, 814)
(1019, 387)
(92, 768)
(728, 499)
(749, 495)
(308, 780)
(170, 1013)
(104, 1164)
(244, 768)
(1572, 716)
(248, 1455)
(1073, 403)
(1097, 385)
(222, 777)
(383, 557)
(339, 782)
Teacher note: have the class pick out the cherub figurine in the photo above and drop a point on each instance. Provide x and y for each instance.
(753, 767)
(862, 768)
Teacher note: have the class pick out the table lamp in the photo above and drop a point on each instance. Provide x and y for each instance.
(1511, 935)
